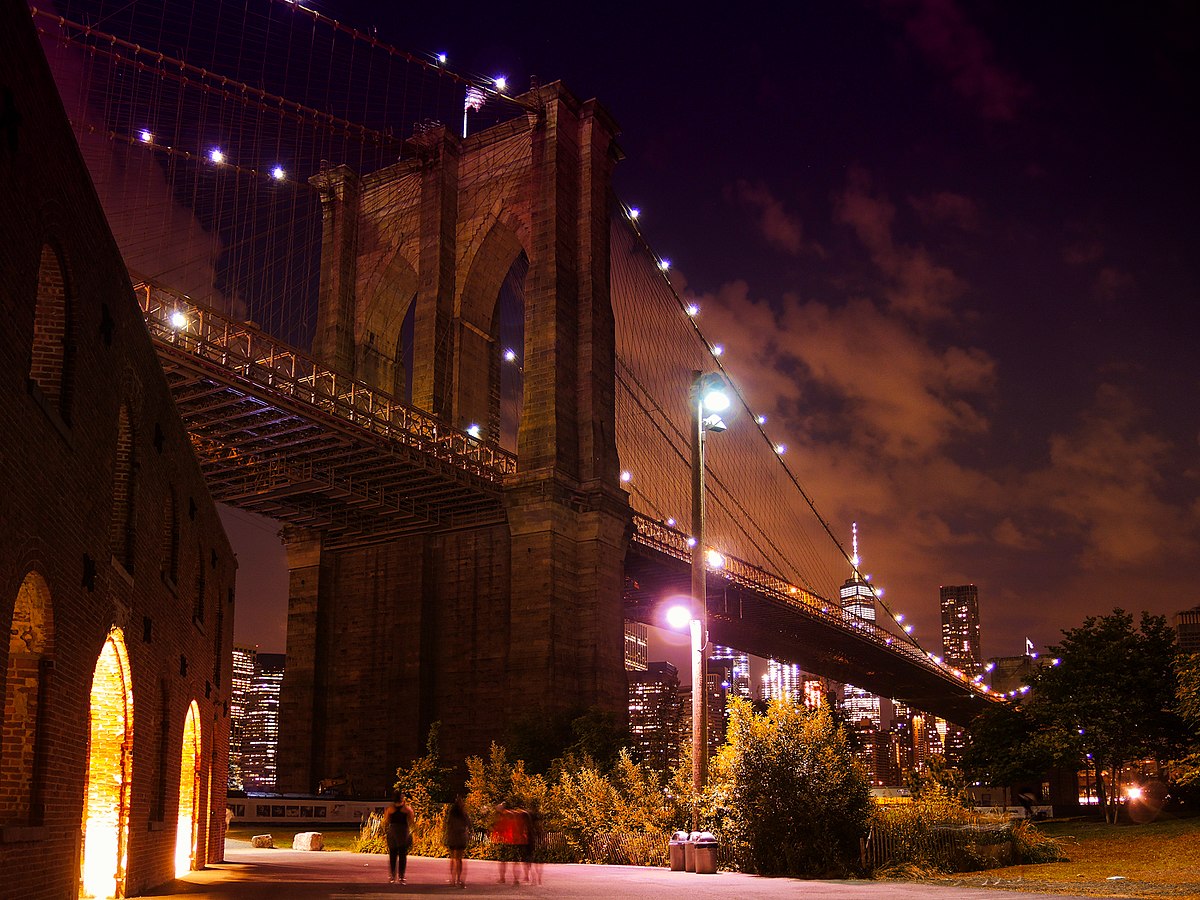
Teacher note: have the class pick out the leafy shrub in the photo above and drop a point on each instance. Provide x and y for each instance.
(797, 799)
(1032, 846)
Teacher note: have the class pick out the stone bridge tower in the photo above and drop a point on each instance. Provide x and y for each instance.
(485, 627)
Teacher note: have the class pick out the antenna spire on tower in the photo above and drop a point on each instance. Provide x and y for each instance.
(854, 560)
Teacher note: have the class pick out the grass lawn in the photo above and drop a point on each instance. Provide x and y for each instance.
(337, 837)
(1161, 859)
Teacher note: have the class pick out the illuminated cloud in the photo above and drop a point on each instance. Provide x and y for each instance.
(917, 286)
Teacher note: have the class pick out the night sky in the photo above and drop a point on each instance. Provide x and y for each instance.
(951, 251)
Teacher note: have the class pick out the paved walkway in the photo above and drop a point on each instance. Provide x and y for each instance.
(249, 874)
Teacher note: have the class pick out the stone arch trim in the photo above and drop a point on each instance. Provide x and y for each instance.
(191, 799)
(384, 302)
(28, 671)
(52, 349)
(107, 795)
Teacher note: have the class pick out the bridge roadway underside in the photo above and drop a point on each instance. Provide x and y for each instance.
(767, 626)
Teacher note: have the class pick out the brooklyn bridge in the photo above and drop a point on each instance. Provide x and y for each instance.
(414, 324)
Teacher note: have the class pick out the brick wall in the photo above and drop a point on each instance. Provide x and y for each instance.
(68, 307)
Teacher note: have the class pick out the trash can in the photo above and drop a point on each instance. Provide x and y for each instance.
(689, 852)
(676, 851)
(706, 853)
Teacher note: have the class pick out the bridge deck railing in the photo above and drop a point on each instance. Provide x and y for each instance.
(241, 349)
(674, 543)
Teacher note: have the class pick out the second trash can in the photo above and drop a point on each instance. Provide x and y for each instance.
(689, 852)
(706, 853)
(675, 850)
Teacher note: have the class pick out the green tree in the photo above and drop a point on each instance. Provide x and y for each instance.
(1187, 668)
(425, 781)
(938, 777)
(1113, 690)
(1008, 746)
(797, 799)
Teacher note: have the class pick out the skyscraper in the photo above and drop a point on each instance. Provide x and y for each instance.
(636, 638)
(960, 628)
(858, 606)
(1187, 629)
(239, 696)
(654, 713)
(260, 729)
(784, 680)
(738, 664)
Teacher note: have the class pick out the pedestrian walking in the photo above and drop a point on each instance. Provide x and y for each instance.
(397, 828)
(456, 834)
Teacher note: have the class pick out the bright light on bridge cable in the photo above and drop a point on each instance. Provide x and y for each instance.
(178, 320)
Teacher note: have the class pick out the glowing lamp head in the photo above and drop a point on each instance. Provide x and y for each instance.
(501, 83)
(718, 350)
(626, 476)
(714, 559)
(634, 212)
(278, 174)
(441, 58)
(510, 355)
(664, 265)
(693, 309)
(714, 393)
(761, 420)
(671, 522)
(474, 430)
(678, 617)
(908, 629)
(178, 320)
(145, 136)
(691, 542)
(1133, 792)
(781, 449)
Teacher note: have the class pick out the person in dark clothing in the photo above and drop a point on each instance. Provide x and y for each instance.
(456, 834)
(397, 828)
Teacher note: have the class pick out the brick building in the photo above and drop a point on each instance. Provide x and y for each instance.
(116, 579)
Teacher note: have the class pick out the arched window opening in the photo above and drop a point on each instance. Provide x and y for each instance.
(50, 359)
(198, 604)
(105, 824)
(122, 529)
(506, 378)
(27, 681)
(170, 539)
(190, 813)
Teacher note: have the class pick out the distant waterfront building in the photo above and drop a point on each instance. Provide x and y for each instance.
(636, 642)
(239, 696)
(738, 664)
(858, 603)
(718, 682)
(1187, 629)
(960, 628)
(783, 680)
(654, 713)
(260, 728)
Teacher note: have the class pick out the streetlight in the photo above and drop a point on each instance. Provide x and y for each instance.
(710, 398)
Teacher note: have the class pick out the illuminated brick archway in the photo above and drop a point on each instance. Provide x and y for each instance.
(110, 756)
(188, 827)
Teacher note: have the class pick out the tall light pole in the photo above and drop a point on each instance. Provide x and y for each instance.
(709, 397)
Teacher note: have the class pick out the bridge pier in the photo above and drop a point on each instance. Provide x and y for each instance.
(477, 627)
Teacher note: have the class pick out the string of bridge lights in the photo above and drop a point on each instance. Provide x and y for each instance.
(478, 93)
(714, 558)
